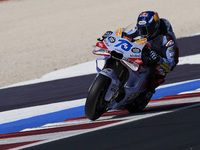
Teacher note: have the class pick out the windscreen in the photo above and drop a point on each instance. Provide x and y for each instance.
(129, 27)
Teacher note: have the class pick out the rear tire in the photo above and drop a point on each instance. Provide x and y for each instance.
(135, 107)
(96, 105)
(141, 102)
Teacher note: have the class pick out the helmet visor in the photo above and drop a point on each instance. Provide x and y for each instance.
(143, 31)
(148, 30)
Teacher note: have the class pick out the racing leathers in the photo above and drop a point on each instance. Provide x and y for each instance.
(163, 50)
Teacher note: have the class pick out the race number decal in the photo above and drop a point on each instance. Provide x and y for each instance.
(125, 45)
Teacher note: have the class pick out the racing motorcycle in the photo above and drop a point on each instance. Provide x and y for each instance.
(123, 81)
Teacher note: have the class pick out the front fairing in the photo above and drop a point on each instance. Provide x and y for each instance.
(131, 51)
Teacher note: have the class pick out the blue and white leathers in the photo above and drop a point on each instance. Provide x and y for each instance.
(164, 44)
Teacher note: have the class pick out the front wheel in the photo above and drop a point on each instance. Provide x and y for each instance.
(95, 104)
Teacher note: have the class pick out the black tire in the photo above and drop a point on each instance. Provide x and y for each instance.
(135, 107)
(140, 103)
(95, 104)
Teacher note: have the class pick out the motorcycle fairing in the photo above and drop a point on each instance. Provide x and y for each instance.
(114, 82)
(132, 55)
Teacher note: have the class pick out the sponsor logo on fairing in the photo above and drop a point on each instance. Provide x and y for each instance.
(141, 40)
(106, 42)
(111, 39)
(124, 44)
(138, 61)
(135, 50)
(136, 55)
(101, 45)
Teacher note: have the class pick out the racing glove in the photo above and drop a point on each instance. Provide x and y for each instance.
(154, 56)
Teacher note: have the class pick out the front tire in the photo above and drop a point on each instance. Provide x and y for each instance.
(95, 104)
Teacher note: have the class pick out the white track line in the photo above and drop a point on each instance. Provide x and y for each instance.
(130, 119)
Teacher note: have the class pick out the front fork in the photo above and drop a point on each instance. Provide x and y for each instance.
(114, 85)
(114, 70)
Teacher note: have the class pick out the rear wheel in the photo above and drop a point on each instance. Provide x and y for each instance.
(95, 104)
(141, 102)
(136, 107)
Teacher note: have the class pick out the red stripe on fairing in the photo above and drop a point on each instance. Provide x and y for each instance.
(174, 97)
(14, 145)
(59, 129)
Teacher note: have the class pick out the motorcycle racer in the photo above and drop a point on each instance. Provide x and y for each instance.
(162, 45)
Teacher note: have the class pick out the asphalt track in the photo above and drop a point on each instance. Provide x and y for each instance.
(174, 131)
(177, 130)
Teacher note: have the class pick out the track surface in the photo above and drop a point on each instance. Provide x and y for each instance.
(177, 130)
